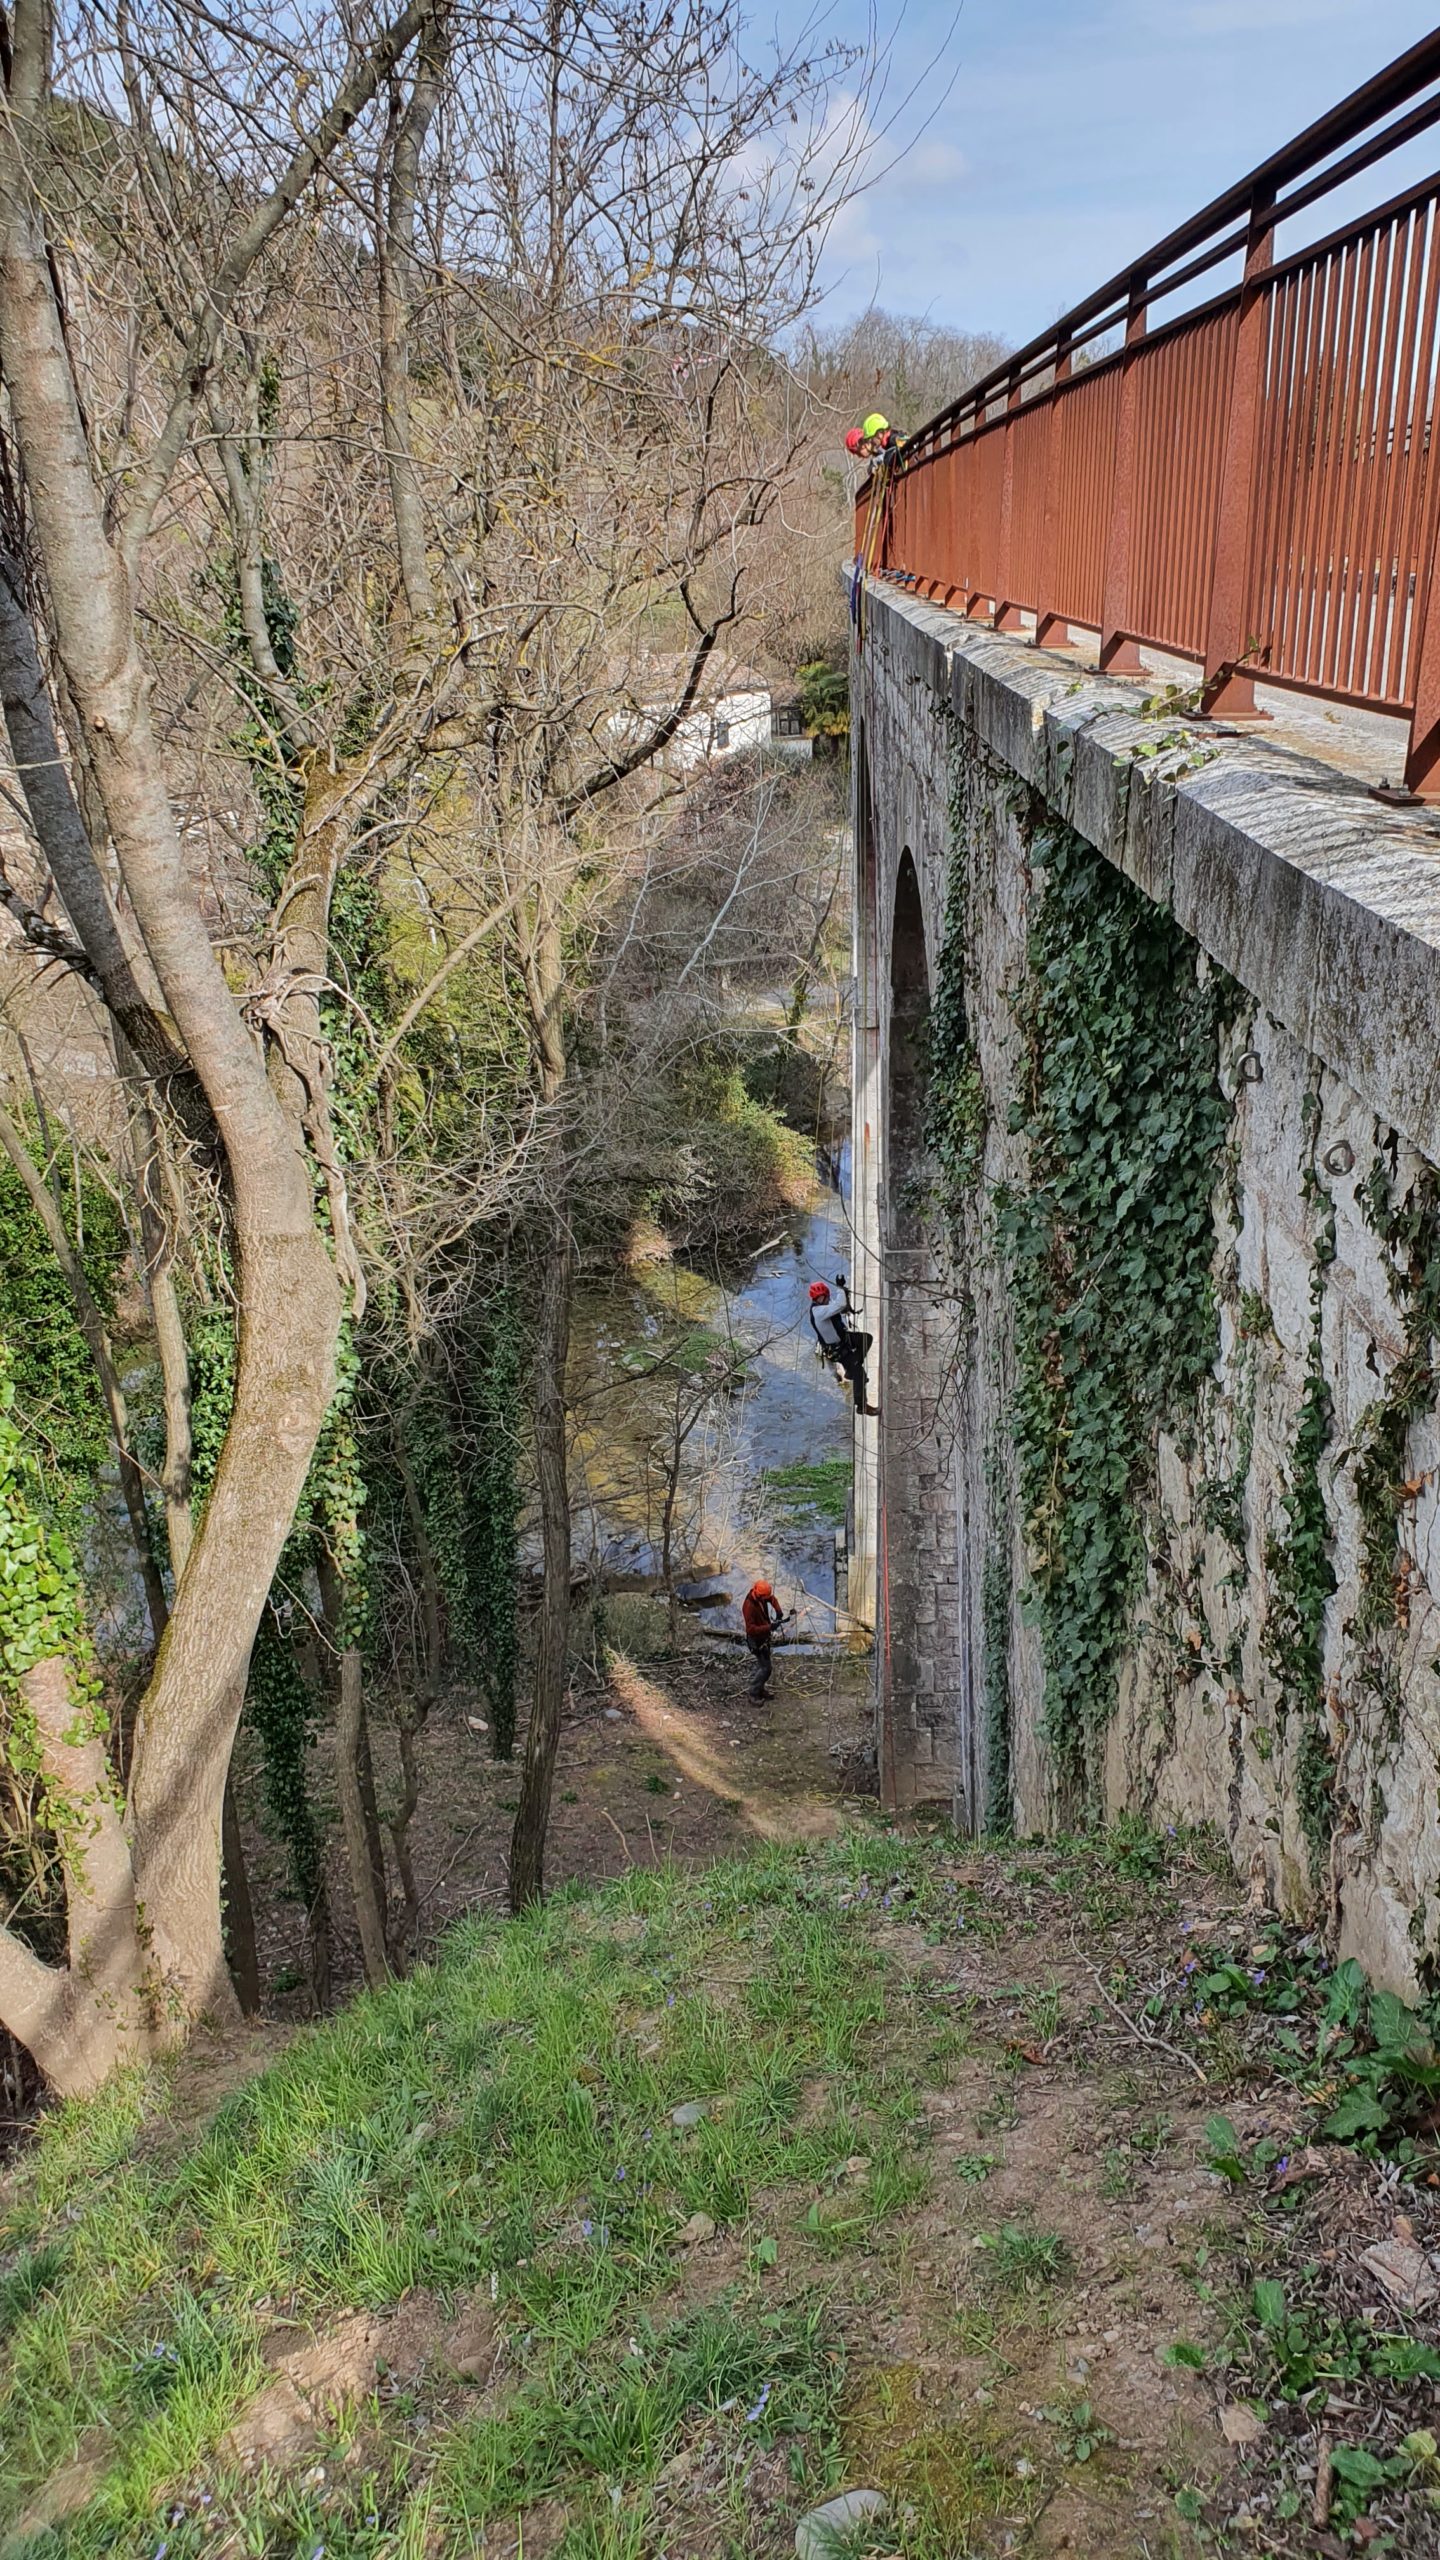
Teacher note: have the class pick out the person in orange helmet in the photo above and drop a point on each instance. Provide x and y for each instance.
(876, 437)
(841, 1341)
(762, 1614)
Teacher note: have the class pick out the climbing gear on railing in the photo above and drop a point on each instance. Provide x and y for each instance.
(877, 521)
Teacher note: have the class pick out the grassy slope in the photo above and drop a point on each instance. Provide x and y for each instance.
(502, 2121)
(968, 2238)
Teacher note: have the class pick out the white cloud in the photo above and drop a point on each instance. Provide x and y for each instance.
(1078, 131)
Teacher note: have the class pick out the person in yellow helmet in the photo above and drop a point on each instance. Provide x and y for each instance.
(875, 437)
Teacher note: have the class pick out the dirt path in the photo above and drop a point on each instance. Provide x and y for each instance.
(669, 1759)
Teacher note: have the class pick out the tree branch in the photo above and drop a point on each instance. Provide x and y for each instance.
(607, 775)
(212, 312)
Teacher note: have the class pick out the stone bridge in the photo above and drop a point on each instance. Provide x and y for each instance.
(1147, 1097)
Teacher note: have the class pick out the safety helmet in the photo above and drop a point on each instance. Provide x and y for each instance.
(761, 1591)
(854, 440)
(876, 424)
(819, 1294)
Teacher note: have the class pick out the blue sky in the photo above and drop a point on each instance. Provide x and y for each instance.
(1078, 130)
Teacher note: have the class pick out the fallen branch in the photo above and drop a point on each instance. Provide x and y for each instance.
(1144, 2035)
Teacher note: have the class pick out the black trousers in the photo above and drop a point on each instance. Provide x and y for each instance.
(850, 1359)
(759, 1649)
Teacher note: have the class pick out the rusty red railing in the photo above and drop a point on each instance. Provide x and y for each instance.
(1253, 483)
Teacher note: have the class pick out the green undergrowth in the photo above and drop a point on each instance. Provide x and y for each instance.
(495, 2131)
(1363, 2065)
(811, 1490)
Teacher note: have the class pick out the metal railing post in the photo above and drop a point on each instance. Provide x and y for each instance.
(1228, 689)
(1422, 760)
(1008, 616)
(1052, 631)
(1118, 653)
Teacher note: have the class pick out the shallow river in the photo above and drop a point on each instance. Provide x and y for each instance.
(729, 1524)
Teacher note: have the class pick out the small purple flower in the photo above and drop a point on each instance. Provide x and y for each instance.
(619, 2173)
(759, 2409)
(1257, 1974)
(587, 2229)
(1190, 1964)
(160, 2550)
(1282, 2165)
(669, 1999)
(1169, 1830)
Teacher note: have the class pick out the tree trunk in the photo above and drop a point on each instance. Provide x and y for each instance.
(374, 1842)
(349, 1751)
(186, 1727)
(317, 1924)
(121, 966)
(542, 1741)
(667, 1532)
(80, 2019)
(351, 1754)
(431, 1597)
(288, 1290)
(407, 1725)
(240, 1942)
(395, 280)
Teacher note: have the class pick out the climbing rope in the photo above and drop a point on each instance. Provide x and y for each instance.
(872, 541)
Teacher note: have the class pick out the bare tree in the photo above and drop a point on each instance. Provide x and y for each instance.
(89, 544)
(379, 496)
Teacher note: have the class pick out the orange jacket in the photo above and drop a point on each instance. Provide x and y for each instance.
(759, 1615)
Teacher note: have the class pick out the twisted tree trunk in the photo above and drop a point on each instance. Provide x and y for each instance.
(542, 1740)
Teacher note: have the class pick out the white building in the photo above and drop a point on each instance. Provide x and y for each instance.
(736, 714)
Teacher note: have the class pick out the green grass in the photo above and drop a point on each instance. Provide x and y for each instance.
(496, 2127)
(816, 1489)
(1024, 2261)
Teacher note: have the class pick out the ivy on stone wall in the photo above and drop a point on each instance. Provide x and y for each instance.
(997, 1598)
(1301, 1575)
(1110, 1247)
(955, 1090)
(1409, 1229)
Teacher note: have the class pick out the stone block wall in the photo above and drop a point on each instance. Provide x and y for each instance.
(1277, 1669)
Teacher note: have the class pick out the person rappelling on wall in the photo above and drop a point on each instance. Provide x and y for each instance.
(842, 1344)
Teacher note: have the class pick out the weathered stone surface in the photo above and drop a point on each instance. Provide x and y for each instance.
(827, 2531)
(1325, 904)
